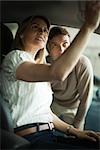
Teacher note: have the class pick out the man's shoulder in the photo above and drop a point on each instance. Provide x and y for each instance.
(84, 64)
(84, 60)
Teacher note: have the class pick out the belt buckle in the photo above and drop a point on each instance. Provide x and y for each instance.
(38, 127)
(50, 126)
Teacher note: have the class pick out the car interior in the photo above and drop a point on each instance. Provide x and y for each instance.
(66, 13)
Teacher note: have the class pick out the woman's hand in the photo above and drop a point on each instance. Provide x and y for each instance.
(39, 58)
(70, 130)
(89, 135)
(92, 14)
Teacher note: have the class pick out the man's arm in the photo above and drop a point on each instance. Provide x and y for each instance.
(84, 74)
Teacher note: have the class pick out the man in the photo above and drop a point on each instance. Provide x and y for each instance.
(72, 97)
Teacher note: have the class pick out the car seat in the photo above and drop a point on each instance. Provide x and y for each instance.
(6, 40)
(9, 140)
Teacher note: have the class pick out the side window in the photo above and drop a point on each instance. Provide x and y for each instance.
(13, 28)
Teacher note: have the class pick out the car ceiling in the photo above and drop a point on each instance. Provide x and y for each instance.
(69, 13)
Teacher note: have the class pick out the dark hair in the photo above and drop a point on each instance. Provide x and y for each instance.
(56, 31)
(24, 25)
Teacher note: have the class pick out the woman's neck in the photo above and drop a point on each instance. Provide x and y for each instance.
(30, 49)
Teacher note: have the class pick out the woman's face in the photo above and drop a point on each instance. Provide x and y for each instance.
(35, 35)
(57, 45)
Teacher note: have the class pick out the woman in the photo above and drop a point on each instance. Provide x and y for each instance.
(25, 83)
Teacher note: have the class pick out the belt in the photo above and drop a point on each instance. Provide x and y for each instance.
(30, 130)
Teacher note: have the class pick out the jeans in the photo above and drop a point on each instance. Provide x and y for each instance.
(49, 140)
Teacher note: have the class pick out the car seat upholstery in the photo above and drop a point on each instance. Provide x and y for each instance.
(93, 115)
(6, 120)
(6, 40)
(9, 140)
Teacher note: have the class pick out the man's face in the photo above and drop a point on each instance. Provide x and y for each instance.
(58, 45)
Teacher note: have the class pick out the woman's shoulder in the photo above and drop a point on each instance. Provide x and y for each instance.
(15, 56)
(15, 52)
(12, 53)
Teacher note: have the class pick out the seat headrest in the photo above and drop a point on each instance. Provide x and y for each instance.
(6, 40)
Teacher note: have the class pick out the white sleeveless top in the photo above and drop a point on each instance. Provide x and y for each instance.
(29, 102)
